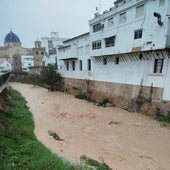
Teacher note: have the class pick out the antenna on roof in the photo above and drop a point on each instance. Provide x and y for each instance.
(98, 7)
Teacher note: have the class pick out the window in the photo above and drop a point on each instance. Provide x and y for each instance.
(73, 65)
(110, 22)
(138, 34)
(122, 17)
(80, 65)
(104, 61)
(161, 2)
(67, 66)
(117, 60)
(50, 52)
(37, 52)
(140, 11)
(96, 45)
(42, 53)
(158, 65)
(96, 27)
(89, 65)
(109, 42)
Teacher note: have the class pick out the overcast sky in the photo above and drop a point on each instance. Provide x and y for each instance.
(33, 19)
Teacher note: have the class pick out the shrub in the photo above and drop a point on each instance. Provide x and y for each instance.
(104, 102)
(84, 97)
(54, 135)
(93, 163)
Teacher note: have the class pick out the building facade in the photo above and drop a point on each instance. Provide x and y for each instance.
(12, 51)
(27, 63)
(52, 43)
(73, 57)
(129, 53)
(22, 59)
(38, 53)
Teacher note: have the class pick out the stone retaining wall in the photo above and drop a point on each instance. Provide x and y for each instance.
(135, 98)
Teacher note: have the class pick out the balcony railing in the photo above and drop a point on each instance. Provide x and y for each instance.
(4, 78)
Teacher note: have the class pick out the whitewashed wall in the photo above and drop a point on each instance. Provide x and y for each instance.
(124, 32)
(129, 72)
(77, 47)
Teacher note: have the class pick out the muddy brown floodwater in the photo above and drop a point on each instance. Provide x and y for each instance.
(125, 141)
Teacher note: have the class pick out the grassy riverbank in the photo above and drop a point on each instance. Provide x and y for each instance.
(19, 148)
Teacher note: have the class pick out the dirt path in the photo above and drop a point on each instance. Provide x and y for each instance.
(126, 141)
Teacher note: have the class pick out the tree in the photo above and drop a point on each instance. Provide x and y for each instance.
(33, 78)
(50, 75)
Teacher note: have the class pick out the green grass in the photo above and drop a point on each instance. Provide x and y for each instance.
(19, 148)
(165, 120)
(93, 163)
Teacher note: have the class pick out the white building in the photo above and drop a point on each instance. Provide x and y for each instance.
(73, 57)
(27, 62)
(5, 66)
(129, 53)
(52, 43)
(50, 59)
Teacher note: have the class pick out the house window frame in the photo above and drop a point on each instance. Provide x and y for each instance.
(104, 61)
(96, 27)
(80, 65)
(89, 64)
(138, 10)
(161, 2)
(96, 45)
(110, 42)
(158, 66)
(122, 17)
(138, 34)
(73, 65)
(67, 65)
(110, 22)
(117, 60)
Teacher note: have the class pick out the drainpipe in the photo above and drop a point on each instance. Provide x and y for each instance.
(159, 18)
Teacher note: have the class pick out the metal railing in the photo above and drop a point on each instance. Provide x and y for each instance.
(4, 78)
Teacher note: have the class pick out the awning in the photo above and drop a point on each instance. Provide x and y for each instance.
(70, 58)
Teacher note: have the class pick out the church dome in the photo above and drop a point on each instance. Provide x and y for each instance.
(11, 38)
